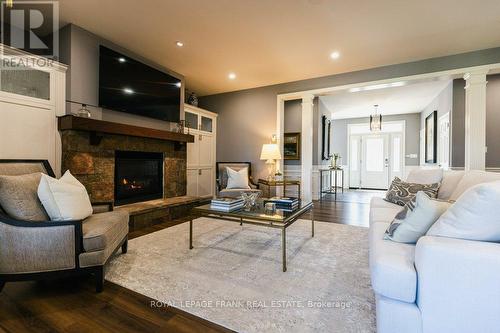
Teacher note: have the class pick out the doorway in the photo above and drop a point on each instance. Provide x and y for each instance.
(375, 158)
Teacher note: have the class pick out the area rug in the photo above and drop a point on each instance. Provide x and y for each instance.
(234, 277)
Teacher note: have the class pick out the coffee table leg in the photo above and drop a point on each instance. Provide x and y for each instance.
(241, 222)
(283, 247)
(190, 234)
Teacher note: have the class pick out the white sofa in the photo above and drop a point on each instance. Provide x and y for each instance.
(440, 284)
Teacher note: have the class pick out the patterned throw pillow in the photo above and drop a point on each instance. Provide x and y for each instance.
(400, 192)
(415, 219)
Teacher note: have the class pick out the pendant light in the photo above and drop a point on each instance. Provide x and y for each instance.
(376, 120)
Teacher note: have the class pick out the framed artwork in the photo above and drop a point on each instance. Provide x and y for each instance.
(431, 138)
(326, 128)
(291, 146)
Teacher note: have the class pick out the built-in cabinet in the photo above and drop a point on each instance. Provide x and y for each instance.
(201, 153)
(32, 95)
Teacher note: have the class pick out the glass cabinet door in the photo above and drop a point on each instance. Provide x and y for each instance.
(206, 124)
(27, 82)
(191, 120)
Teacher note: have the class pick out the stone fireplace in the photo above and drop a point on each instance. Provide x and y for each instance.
(93, 163)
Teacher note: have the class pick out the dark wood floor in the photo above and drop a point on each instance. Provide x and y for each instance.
(71, 305)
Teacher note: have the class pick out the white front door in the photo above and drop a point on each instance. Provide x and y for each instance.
(375, 161)
(444, 141)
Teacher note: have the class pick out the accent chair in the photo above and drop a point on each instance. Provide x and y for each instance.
(221, 173)
(33, 250)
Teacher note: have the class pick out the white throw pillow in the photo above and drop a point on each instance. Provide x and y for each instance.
(415, 219)
(425, 176)
(64, 199)
(472, 178)
(474, 216)
(237, 179)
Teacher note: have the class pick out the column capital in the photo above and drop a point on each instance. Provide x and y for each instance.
(308, 99)
(475, 77)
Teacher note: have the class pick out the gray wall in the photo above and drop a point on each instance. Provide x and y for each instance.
(247, 118)
(412, 136)
(442, 103)
(80, 50)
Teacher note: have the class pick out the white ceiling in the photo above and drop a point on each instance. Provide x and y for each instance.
(266, 42)
(410, 98)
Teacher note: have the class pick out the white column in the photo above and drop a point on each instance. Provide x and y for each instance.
(307, 147)
(280, 130)
(475, 120)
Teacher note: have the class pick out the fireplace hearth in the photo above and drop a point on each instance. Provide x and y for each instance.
(138, 176)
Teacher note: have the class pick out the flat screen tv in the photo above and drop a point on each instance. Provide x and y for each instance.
(128, 85)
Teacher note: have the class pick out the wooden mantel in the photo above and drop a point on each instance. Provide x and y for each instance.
(99, 127)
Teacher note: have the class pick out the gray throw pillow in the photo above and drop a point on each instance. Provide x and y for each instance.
(400, 192)
(415, 219)
(19, 198)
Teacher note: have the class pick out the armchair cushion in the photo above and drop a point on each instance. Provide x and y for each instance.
(19, 199)
(101, 230)
(237, 179)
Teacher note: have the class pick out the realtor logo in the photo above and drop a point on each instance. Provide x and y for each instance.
(31, 26)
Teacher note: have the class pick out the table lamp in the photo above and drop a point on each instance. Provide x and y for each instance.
(270, 152)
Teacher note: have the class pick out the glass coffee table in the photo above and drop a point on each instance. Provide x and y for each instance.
(256, 216)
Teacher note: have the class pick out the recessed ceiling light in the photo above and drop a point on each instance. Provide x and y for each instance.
(231, 76)
(178, 84)
(179, 43)
(335, 55)
(128, 91)
(122, 59)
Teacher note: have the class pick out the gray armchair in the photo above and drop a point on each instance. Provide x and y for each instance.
(221, 174)
(42, 250)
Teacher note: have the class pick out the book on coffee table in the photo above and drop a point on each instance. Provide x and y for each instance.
(226, 204)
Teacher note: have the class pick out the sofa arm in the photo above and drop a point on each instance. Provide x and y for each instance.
(458, 285)
(34, 247)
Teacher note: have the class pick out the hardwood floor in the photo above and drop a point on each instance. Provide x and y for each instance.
(71, 305)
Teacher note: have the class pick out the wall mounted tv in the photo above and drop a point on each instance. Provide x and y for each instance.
(128, 85)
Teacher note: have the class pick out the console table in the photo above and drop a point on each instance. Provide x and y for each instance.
(330, 189)
(277, 183)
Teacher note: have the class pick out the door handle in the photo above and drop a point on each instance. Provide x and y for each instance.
(199, 172)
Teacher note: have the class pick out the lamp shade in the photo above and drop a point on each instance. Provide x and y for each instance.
(270, 151)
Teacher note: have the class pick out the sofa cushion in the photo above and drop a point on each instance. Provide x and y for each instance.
(472, 178)
(425, 176)
(401, 192)
(101, 230)
(449, 183)
(392, 267)
(415, 219)
(19, 199)
(474, 216)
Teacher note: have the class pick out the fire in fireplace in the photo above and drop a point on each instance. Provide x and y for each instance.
(138, 176)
